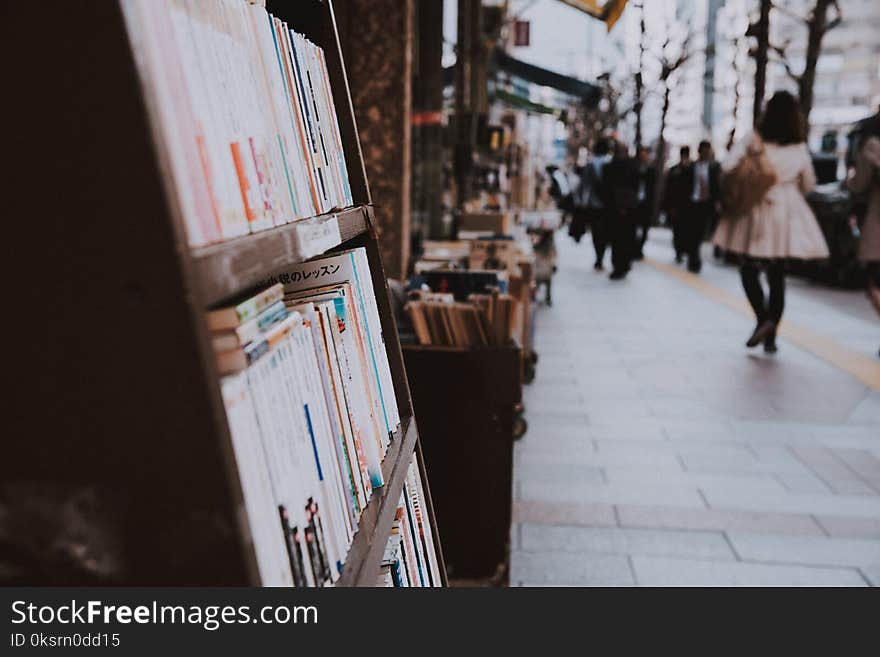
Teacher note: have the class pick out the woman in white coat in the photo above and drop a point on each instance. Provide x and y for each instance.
(781, 226)
(865, 179)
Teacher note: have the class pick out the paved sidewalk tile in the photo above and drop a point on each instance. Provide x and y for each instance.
(840, 505)
(717, 519)
(872, 574)
(687, 496)
(589, 515)
(659, 571)
(561, 569)
(850, 527)
(835, 473)
(660, 451)
(817, 551)
(625, 541)
(560, 472)
(702, 480)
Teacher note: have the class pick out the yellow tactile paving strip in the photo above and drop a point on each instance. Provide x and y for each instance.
(863, 368)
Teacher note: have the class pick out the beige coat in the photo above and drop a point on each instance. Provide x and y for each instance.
(867, 180)
(782, 225)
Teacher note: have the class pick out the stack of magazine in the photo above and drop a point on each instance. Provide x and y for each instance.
(312, 410)
(246, 115)
(409, 559)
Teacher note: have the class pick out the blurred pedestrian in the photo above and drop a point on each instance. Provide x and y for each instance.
(592, 194)
(644, 211)
(580, 197)
(621, 183)
(560, 191)
(676, 200)
(866, 180)
(779, 225)
(702, 184)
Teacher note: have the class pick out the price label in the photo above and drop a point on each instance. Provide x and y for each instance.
(316, 235)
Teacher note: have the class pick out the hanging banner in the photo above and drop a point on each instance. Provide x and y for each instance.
(609, 11)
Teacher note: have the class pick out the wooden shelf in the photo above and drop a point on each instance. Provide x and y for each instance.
(225, 269)
(129, 395)
(362, 563)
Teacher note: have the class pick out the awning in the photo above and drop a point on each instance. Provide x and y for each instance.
(588, 93)
(608, 11)
(521, 102)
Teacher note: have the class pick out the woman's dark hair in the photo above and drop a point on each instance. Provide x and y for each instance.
(783, 122)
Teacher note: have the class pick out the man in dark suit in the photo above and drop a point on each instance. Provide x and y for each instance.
(621, 183)
(677, 199)
(702, 182)
(644, 211)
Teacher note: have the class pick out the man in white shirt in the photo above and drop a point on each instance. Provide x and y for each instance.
(592, 193)
(703, 181)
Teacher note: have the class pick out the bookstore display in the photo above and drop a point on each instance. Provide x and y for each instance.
(476, 292)
(228, 404)
(469, 309)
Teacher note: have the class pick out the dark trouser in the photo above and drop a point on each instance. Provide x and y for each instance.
(623, 239)
(599, 231)
(643, 225)
(750, 273)
(694, 222)
(578, 226)
(675, 220)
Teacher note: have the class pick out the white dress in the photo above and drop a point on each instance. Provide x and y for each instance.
(782, 225)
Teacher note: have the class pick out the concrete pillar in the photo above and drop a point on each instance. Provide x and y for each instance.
(377, 44)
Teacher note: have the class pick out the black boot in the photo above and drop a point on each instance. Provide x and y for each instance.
(770, 343)
(762, 331)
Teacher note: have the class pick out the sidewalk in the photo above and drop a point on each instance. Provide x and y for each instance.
(660, 451)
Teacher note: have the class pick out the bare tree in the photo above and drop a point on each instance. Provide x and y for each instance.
(639, 80)
(818, 25)
(760, 30)
(737, 94)
(672, 57)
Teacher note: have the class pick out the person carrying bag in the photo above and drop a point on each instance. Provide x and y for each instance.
(766, 220)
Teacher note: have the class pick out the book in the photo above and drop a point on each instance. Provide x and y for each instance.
(246, 115)
(253, 472)
(307, 440)
(410, 558)
(235, 338)
(353, 267)
(231, 317)
(357, 377)
(483, 320)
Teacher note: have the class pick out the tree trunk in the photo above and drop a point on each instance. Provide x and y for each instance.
(818, 25)
(761, 30)
(736, 92)
(660, 167)
(639, 79)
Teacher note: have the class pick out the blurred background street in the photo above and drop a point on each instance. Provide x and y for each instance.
(659, 452)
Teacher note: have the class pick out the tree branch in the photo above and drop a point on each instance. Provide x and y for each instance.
(783, 59)
(783, 9)
(837, 20)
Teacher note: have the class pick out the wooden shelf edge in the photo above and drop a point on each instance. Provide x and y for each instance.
(362, 562)
(225, 269)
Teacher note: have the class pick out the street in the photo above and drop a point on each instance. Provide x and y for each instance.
(661, 451)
